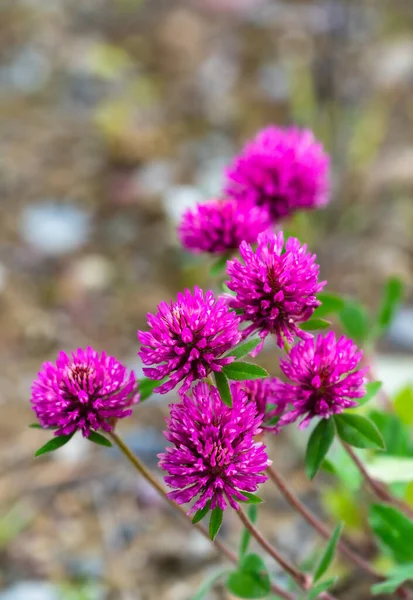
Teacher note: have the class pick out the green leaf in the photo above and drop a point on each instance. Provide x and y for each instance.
(215, 522)
(209, 583)
(200, 514)
(403, 404)
(331, 303)
(241, 371)
(392, 296)
(99, 439)
(328, 555)
(245, 348)
(393, 529)
(371, 390)
(54, 444)
(223, 388)
(396, 435)
(321, 587)
(251, 579)
(36, 426)
(353, 318)
(252, 498)
(146, 387)
(315, 325)
(246, 536)
(358, 431)
(219, 265)
(396, 578)
(318, 445)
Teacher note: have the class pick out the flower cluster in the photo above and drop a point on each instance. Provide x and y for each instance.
(213, 457)
(324, 378)
(85, 392)
(221, 225)
(274, 290)
(188, 339)
(283, 170)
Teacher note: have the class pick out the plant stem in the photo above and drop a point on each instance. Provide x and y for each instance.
(318, 525)
(141, 468)
(379, 489)
(304, 580)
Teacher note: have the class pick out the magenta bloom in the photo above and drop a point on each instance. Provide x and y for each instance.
(325, 379)
(274, 291)
(86, 392)
(188, 339)
(282, 169)
(221, 225)
(214, 456)
(267, 395)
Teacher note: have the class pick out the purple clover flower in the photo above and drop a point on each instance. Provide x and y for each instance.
(188, 339)
(324, 378)
(267, 395)
(274, 291)
(214, 456)
(282, 169)
(85, 392)
(221, 225)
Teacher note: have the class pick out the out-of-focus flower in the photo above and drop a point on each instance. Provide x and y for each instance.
(268, 396)
(324, 378)
(85, 392)
(274, 291)
(214, 457)
(221, 225)
(188, 339)
(282, 169)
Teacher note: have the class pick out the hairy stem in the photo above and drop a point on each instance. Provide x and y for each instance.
(304, 580)
(379, 489)
(142, 469)
(325, 531)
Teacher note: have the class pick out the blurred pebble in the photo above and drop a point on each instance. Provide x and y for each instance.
(30, 590)
(92, 272)
(391, 64)
(401, 329)
(273, 81)
(155, 177)
(54, 229)
(3, 277)
(30, 71)
(84, 567)
(179, 198)
(146, 443)
(75, 452)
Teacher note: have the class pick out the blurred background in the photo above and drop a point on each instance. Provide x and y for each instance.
(115, 115)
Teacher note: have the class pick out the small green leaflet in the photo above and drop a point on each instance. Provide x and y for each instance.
(353, 318)
(251, 579)
(392, 296)
(146, 387)
(219, 265)
(393, 529)
(209, 583)
(328, 555)
(36, 426)
(318, 445)
(321, 587)
(372, 389)
(245, 348)
(396, 578)
(252, 498)
(315, 325)
(241, 371)
(358, 431)
(331, 303)
(215, 522)
(200, 514)
(223, 388)
(54, 444)
(252, 512)
(99, 439)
